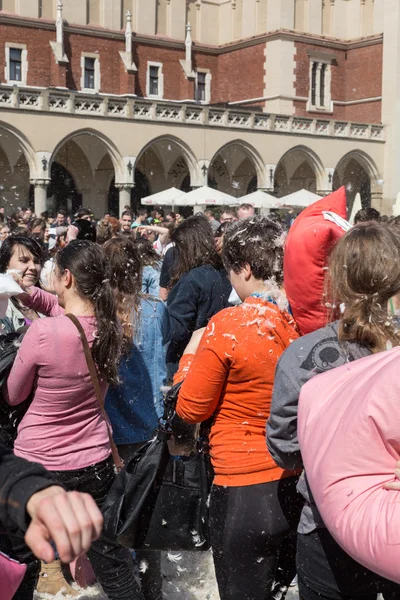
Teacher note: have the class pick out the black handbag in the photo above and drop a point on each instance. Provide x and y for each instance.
(158, 501)
(10, 416)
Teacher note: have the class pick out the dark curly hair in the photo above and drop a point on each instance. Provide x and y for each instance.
(258, 242)
(147, 254)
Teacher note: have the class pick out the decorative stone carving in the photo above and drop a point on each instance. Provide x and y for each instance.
(58, 45)
(127, 56)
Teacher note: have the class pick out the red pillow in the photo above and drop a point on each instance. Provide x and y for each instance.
(308, 246)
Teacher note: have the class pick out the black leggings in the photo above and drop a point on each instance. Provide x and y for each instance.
(112, 564)
(253, 537)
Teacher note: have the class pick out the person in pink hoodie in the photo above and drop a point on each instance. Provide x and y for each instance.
(364, 273)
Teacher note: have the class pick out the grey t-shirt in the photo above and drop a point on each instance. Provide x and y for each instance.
(310, 355)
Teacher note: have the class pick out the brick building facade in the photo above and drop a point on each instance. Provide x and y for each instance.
(238, 70)
(311, 67)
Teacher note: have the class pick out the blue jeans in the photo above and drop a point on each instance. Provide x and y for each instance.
(112, 564)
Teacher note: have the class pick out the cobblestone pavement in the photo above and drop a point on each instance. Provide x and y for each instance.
(187, 576)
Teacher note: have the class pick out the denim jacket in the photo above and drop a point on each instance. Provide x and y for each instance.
(135, 405)
(151, 280)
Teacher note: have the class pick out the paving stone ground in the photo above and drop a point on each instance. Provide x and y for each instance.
(187, 576)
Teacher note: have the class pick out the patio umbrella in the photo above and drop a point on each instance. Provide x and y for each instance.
(396, 206)
(207, 196)
(165, 198)
(301, 198)
(260, 199)
(356, 207)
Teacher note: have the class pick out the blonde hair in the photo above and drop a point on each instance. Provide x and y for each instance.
(364, 273)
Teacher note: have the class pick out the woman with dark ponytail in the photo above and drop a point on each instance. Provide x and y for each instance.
(64, 429)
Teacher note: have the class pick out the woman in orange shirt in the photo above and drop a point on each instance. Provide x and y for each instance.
(254, 506)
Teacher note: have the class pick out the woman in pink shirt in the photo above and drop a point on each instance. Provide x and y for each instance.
(63, 428)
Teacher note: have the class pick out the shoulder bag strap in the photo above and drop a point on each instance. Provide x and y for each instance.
(96, 384)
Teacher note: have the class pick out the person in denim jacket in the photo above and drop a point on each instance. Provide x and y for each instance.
(151, 264)
(136, 403)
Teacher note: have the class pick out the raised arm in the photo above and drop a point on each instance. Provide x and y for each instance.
(43, 302)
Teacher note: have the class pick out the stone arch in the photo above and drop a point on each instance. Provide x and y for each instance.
(234, 166)
(299, 168)
(24, 143)
(62, 193)
(359, 173)
(112, 150)
(93, 161)
(167, 152)
(18, 165)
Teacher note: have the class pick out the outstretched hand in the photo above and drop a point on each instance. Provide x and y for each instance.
(70, 519)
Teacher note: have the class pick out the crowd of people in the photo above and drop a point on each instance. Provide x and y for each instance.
(199, 301)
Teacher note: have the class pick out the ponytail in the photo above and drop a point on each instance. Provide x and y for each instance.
(364, 273)
(368, 323)
(87, 263)
(125, 277)
(107, 345)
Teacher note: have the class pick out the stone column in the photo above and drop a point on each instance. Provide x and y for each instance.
(124, 195)
(40, 190)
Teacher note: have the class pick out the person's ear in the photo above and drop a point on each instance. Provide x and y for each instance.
(247, 272)
(68, 278)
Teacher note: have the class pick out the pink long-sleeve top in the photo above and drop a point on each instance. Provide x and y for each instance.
(63, 428)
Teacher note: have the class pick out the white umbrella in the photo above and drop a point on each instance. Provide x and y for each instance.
(260, 199)
(206, 196)
(356, 207)
(164, 198)
(301, 198)
(396, 206)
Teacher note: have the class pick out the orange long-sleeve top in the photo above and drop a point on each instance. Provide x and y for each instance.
(231, 377)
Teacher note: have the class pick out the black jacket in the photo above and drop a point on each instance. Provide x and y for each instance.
(19, 479)
(194, 299)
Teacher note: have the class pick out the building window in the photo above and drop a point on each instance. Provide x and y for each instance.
(314, 83)
(155, 80)
(322, 95)
(16, 64)
(203, 87)
(320, 86)
(90, 73)
(90, 80)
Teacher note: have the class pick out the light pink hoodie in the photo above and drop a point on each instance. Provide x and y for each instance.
(349, 433)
